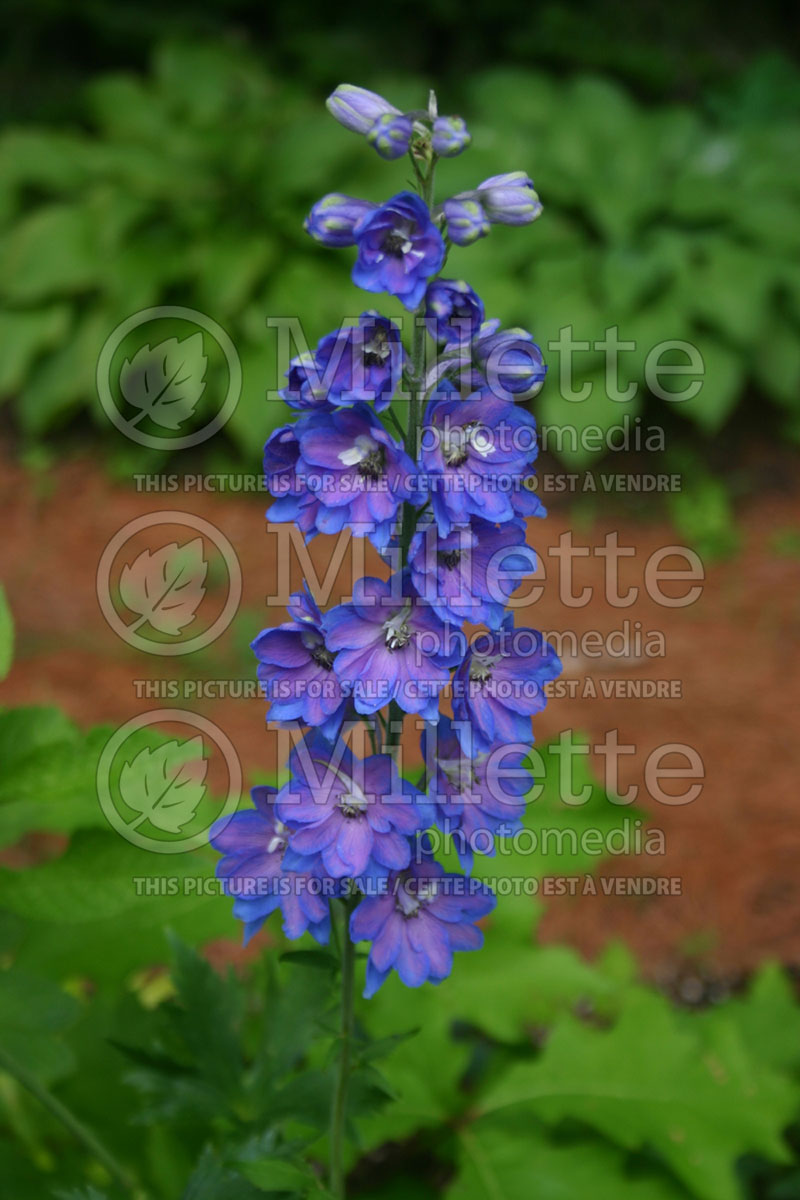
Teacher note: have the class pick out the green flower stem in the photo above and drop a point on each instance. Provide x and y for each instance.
(339, 1105)
(79, 1131)
(410, 515)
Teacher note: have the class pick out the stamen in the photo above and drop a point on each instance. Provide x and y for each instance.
(397, 631)
(353, 803)
(322, 656)
(372, 466)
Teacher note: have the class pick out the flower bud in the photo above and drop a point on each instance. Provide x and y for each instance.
(391, 135)
(334, 217)
(466, 220)
(511, 361)
(453, 310)
(509, 199)
(356, 108)
(450, 136)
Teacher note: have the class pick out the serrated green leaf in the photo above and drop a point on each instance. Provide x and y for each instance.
(210, 1009)
(502, 1157)
(280, 1175)
(647, 1082)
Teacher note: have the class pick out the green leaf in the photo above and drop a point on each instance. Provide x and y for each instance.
(211, 1180)
(776, 362)
(501, 1156)
(209, 1012)
(730, 290)
(33, 1015)
(319, 959)
(229, 269)
(722, 384)
(767, 1017)
(703, 515)
(23, 337)
(6, 635)
(51, 251)
(647, 1082)
(87, 1193)
(50, 782)
(57, 890)
(281, 1175)
(65, 379)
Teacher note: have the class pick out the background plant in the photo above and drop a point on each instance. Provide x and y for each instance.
(664, 221)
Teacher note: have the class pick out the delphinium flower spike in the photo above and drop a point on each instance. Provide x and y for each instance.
(427, 448)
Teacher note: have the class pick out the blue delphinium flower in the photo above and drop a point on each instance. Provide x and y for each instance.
(390, 135)
(500, 685)
(360, 362)
(470, 573)
(291, 498)
(423, 915)
(509, 199)
(450, 136)
(356, 814)
(476, 798)
(296, 669)
(357, 471)
(476, 456)
(465, 220)
(399, 249)
(333, 219)
(454, 311)
(357, 108)
(511, 361)
(253, 843)
(392, 646)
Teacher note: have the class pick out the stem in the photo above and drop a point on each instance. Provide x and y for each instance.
(339, 1106)
(67, 1118)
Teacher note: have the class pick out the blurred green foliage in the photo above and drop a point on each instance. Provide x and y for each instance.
(528, 1064)
(189, 187)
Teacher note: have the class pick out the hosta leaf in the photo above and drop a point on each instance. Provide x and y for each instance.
(63, 381)
(722, 383)
(25, 335)
(51, 251)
